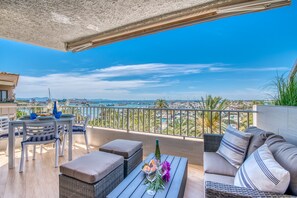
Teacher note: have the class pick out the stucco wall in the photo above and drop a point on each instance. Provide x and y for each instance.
(190, 148)
(281, 120)
(9, 89)
(8, 109)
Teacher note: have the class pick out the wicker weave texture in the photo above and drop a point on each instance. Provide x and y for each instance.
(70, 187)
(218, 190)
(212, 142)
(132, 162)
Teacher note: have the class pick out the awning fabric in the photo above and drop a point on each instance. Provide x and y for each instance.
(79, 25)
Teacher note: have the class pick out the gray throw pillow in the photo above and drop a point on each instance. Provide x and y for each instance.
(257, 140)
(233, 146)
(286, 155)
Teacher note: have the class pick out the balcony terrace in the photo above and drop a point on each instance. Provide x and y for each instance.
(180, 132)
(81, 25)
(182, 127)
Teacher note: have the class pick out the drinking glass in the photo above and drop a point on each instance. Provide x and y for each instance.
(151, 177)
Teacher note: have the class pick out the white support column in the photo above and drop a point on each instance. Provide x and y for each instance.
(255, 115)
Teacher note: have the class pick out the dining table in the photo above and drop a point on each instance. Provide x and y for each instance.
(67, 122)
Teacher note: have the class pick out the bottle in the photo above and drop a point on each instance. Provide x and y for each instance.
(157, 151)
(55, 110)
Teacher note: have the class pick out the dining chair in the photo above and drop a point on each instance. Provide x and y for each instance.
(4, 124)
(39, 132)
(77, 129)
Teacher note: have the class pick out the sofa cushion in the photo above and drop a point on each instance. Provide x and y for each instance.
(257, 140)
(234, 146)
(92, 167)
(286, 155)
(216, 164)
(262, 172)
(274, 141)
(125, 148)
(223, 179)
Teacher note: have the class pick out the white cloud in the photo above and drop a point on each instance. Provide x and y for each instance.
(76, 86)
(162, 70)
(255, 69)
(130, 82)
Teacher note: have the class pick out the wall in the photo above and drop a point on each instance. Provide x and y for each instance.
(281, 120)
(10, 90)
(8, 109)
(190, 148)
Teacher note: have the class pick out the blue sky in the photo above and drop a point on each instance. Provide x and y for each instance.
(235, 57)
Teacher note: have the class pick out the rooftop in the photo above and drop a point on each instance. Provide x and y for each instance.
(9, 79)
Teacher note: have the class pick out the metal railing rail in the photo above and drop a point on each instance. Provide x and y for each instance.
(177, 122)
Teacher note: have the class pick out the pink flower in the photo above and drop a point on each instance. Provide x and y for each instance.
(166, 176)
(166, 166)
(166, 171)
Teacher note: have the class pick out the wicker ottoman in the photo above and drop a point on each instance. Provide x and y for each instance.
(93, 175)
(131, 151)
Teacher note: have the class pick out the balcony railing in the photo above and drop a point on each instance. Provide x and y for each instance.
(177, 122)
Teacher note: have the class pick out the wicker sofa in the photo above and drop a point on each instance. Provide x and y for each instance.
(219, 174)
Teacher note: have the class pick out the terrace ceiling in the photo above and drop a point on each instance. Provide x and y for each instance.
(77, 25)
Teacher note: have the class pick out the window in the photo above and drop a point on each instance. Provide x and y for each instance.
(3, 95)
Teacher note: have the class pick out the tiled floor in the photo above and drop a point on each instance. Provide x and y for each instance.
(40, 178)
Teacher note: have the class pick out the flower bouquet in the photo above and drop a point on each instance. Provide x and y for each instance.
(157, 174)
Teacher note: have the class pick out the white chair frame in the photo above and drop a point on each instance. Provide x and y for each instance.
(65, 135)
(4, 124)
(37, 129)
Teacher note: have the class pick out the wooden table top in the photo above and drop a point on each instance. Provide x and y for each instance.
(133, 184)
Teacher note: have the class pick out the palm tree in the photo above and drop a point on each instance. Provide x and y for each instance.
(211, 119)
(161, 104)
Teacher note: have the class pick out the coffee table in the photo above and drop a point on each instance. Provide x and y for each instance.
(133, 185)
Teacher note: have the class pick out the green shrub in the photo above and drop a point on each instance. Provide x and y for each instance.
(286, 88)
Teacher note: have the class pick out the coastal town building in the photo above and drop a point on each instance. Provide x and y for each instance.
(8, 83)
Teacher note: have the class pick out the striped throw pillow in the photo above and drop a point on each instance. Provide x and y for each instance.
(234, 146)
(262, 172)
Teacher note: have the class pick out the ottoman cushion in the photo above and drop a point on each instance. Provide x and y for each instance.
(125, 148)
(92, 167)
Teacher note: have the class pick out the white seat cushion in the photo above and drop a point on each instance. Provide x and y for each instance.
(234, 146)
(262, 172)
(215, 164)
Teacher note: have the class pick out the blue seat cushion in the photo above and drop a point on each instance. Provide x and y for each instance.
(45, 137)
(5, 135)
(78, 129)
